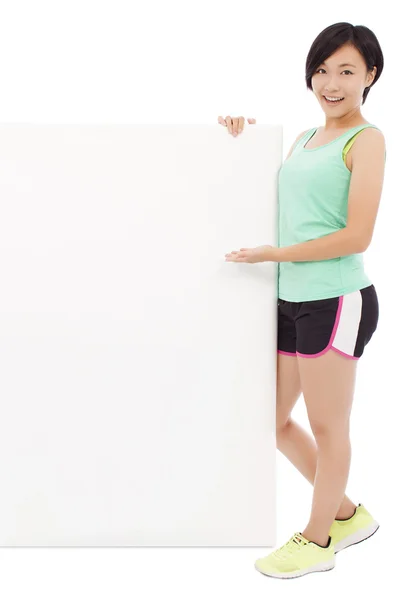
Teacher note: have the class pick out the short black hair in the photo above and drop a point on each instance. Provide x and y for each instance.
(333, 37)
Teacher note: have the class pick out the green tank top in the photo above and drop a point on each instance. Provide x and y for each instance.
(313, 186)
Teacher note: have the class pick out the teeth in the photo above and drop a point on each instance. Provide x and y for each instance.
(333, 99)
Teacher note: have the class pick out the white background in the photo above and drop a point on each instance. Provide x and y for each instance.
(131, 62)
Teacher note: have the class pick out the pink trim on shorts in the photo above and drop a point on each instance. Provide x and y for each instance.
(332, 337)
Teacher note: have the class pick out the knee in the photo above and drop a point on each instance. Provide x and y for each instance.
(282, 427)
(330, 432)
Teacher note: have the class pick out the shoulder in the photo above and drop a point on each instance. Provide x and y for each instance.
(369, 143)
(297, 139)
(302, 134)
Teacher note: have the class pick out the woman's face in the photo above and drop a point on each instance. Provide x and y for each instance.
(342, 75)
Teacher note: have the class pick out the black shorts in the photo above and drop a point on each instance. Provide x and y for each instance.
(344, 324)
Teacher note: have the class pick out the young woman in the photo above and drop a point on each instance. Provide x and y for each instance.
(329, 192)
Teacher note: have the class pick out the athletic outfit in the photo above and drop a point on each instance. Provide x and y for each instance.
(327, 303)
(322, 305)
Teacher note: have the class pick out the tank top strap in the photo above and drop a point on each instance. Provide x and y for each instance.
(304, 139)
(344, 141)
(351, 136)
(357, 129)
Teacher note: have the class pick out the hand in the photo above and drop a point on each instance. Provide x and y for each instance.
(251, 255)
(235, 125)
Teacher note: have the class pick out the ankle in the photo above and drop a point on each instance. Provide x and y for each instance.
(346, 511)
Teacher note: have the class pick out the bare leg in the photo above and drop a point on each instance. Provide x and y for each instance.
(301, 450)
(328, 383)
(295, 443)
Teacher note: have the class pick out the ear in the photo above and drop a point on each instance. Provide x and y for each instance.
(371, 75)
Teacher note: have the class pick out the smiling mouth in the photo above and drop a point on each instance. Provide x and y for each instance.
(333, 101)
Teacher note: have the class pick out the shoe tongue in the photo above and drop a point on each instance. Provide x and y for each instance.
(299, 538)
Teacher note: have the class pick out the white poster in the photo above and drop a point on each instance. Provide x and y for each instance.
(138, 367)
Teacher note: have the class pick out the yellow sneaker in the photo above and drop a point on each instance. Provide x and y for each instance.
(297, 557)
(351, 531)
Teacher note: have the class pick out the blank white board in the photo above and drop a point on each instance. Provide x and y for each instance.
(138, 367)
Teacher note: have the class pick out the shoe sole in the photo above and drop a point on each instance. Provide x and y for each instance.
(357, 537)
(321, 568)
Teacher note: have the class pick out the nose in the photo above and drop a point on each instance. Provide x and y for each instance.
(331, 89)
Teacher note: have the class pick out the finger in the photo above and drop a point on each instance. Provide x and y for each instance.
(229, 124)
(241, 124)
(244, 248)
(222, 122)
(251, 121)
(235, 125)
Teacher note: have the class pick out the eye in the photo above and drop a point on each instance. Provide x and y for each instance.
(345, 71)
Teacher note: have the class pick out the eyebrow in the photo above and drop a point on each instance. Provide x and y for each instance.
(344, 65)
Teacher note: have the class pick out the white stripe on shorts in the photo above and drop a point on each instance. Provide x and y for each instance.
(348, 319)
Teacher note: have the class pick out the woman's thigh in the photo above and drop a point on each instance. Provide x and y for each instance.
(331, 336)
(288, 388)
(328, 386)
(335, 330)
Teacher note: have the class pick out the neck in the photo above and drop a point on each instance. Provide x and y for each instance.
(350, 119)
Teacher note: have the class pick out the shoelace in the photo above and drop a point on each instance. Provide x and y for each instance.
(295, 543)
